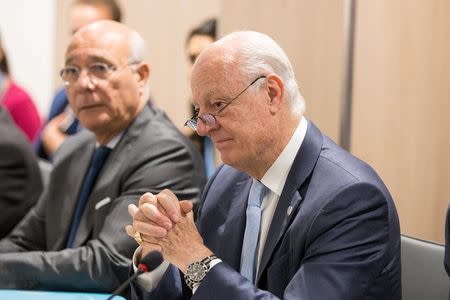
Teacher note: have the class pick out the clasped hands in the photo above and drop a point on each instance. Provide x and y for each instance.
(167, 225)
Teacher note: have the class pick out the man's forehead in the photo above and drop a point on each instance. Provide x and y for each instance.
(109, 47)
(98, 38)
(208, 66)
(203, 87)
(102, 34)
(210, 85)
(88, 56)
(214, 73)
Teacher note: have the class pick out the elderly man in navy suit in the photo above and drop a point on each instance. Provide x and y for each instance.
(290, 215)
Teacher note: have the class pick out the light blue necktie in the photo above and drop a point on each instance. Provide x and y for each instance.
(208, 157)
(252, 228)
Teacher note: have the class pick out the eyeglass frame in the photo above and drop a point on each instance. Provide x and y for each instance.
(210, 118)
(110, 70)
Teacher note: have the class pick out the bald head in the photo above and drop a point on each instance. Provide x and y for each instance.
(110, 36)
(250, 54)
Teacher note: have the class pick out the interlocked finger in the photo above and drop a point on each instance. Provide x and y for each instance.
(137, 237)
(152, 213)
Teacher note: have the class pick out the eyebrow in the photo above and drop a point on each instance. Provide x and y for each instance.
(208, 96)
(91, 59)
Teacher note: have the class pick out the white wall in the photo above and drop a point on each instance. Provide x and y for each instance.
(27, 31)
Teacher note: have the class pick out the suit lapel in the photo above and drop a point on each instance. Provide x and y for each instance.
(108, 175)
(230, 249)
(78, 164)
(301, 169)
(104, 180)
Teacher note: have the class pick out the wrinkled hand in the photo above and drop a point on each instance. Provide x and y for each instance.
(166, 225)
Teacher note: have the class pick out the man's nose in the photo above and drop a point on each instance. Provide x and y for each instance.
(85, 79)
(202, 128)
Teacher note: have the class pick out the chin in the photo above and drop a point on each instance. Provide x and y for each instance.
(228, 158)
(96, 125)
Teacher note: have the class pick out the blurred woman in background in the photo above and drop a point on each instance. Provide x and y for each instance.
(17, 101)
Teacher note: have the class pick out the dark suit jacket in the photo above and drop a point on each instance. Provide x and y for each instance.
(152, 155)
(341, 241)
(20, 178)
(447, 243)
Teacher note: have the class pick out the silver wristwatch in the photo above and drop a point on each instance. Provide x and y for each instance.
(196, 271)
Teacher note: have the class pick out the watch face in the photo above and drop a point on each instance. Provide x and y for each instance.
(197, 271)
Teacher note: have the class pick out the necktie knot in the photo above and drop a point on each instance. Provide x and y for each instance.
(257, 193)
(99, 157)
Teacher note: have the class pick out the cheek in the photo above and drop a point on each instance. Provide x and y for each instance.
(114, 98)
(256, 136)
(72, 99)
(123, 95)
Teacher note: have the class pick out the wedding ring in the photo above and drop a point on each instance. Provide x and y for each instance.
(137, 237)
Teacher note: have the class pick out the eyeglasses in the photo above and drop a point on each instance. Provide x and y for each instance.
(210, 118)
(98, 70)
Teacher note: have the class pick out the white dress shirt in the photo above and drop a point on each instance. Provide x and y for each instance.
(274, 180)
(112, 143)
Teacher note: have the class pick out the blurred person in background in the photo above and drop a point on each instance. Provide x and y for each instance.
(61, 121)
(17, 101)
(198, 39)
(20, 178)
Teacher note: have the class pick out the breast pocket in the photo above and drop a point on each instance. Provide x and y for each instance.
(101, 211)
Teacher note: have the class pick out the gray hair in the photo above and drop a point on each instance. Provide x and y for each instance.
(138, 49)
(258, 54)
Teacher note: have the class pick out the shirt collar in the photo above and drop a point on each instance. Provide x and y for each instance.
(113, 142)
(276, 176)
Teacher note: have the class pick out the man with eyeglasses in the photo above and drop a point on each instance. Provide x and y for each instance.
(74, 238)
(61, 122)
(290, 215)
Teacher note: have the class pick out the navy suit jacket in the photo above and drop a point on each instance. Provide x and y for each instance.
(341, 240)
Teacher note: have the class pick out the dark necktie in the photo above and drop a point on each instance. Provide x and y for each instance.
(252, 229)
(97, 161)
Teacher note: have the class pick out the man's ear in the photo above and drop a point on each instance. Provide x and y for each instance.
(275, 90)
(143, 73)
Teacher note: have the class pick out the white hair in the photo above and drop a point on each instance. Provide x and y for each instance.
(138, 49)
(258, 54)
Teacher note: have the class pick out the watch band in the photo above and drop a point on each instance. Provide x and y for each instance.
(196, 271)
